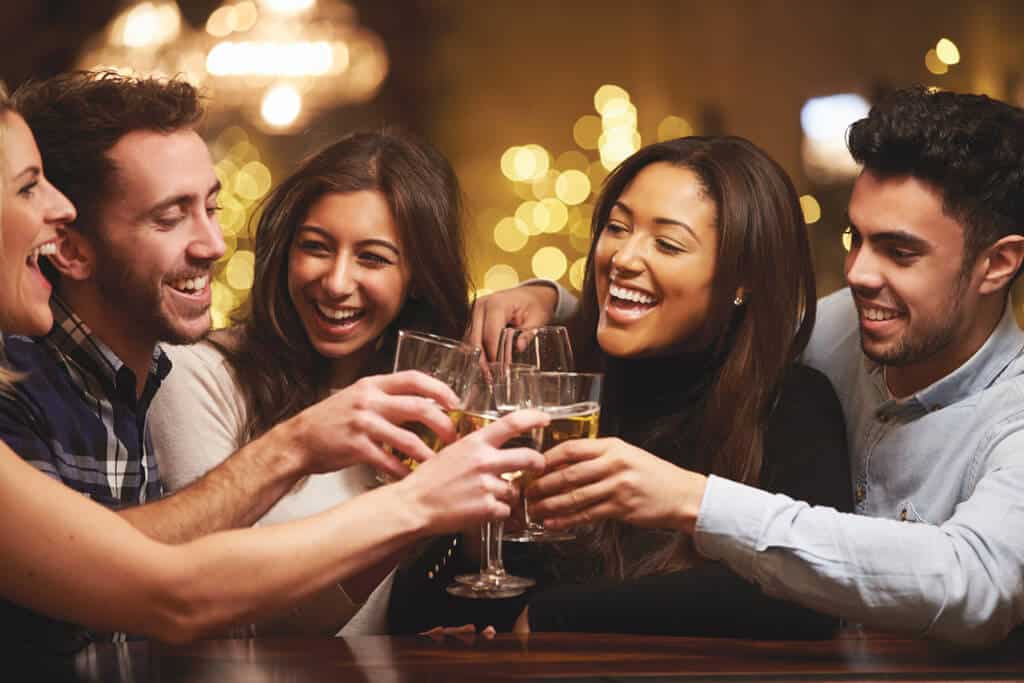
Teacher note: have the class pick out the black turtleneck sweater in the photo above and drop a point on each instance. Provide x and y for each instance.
(652, 405)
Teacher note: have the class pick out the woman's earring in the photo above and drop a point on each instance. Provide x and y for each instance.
(738, 301)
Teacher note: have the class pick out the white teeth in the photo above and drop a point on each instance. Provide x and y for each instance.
(631, 295)
(879, 314)
(196, 284)
(48, 249)
(339, 314)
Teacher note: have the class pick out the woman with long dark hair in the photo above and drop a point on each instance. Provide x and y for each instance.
(698, 299)
(361, 240)
(67, 557)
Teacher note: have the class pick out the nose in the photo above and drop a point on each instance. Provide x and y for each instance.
(208, 240)
(61, 211)
(339, 279)
(862, 270)
(629, 257)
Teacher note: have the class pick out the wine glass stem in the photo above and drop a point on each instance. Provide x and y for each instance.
(530, 525)
(492, 560)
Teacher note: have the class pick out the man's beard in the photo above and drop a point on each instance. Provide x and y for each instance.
(139, 300)
(916, 346)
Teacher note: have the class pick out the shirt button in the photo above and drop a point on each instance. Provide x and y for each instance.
(860, 493)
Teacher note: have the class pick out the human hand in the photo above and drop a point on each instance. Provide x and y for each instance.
(591, 479)
(351, 425)
(465, 633)
(463, 485)
(524, 306)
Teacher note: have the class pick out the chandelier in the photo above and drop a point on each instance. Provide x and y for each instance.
(278, 62)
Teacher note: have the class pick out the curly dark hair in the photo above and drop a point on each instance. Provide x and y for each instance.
(970, 147)
(77, 117)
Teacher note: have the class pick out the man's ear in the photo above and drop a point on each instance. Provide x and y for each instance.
(1000, 263)
(75, 258)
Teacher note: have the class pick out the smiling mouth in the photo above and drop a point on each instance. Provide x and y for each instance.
(339, 316)
(630, 301)
(190, 285)
(45, 249)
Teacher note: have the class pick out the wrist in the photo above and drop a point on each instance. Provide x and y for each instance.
(414, 519)
(692, 496)
(548, 292)
(284, 450)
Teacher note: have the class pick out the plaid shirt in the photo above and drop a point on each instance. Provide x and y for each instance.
(75, 417)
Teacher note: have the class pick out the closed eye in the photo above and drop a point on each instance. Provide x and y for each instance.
(315, 247)
(375, 259)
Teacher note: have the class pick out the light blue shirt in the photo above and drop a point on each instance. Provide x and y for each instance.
(937, 546)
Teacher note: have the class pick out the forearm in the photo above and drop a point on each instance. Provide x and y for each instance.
(939, 581)
(234, 494)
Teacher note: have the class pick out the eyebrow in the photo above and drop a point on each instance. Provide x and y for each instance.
(660, 220)
(363, 243)
(180, 199)
(33, 171)
(897, 236)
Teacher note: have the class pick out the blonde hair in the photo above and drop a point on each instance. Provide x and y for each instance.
(7, 377)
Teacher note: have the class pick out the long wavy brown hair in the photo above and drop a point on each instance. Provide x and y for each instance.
(279, 371)
(763, 249)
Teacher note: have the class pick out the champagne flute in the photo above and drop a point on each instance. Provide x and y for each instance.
(486, 401)
(573, 400)
(453, 362)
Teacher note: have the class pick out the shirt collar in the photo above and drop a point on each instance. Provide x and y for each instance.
(71, 336)
(1003, 346)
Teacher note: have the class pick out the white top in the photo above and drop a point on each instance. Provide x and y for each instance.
(196, 421)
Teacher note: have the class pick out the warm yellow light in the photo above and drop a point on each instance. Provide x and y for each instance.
(247, 58)
(549, 263)
(848, 238)
(947, 52)
(617, 149)
(253, 180)
(231, 215)
(239, 271)
(508, 163)
(288, 6)
(221, 22)
(672, 127)
(243, 151)
(245, 16)
(572, 187)
(617, 114)
(544, 186)
(281, 106)
(597, 173)
(510, 234)
(541, 217)
(934, 64)
(524, 164)
(606, 94)
(572, 160)
(577, 272)
(811, 209)
(557, 215)
(586, 131)
(500, 277)
(148, 24)
(527, 214)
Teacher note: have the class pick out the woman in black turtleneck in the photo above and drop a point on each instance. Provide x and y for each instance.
(698, 299)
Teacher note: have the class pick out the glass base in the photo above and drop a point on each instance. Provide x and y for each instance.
(539, 535)
(489, 586)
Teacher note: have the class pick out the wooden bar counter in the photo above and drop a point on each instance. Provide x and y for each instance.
(543, 657)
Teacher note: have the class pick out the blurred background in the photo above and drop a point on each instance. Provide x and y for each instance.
(533, 101)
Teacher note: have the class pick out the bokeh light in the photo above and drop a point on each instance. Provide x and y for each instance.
(239, 271)
(672, 127)
(281, 106)
(586, 131)
(572, 187)
(544, 186)
(608, 93)
(947, 51)
(574, 160)
(934, 64)
(501, 276)
(577, 271)
(811, 209)
(557, 215)
(549, 263)
(510, 234)
(527, 215)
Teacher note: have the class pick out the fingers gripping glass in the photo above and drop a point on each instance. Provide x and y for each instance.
(573, 400)
(493, 395)
(453, 362)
